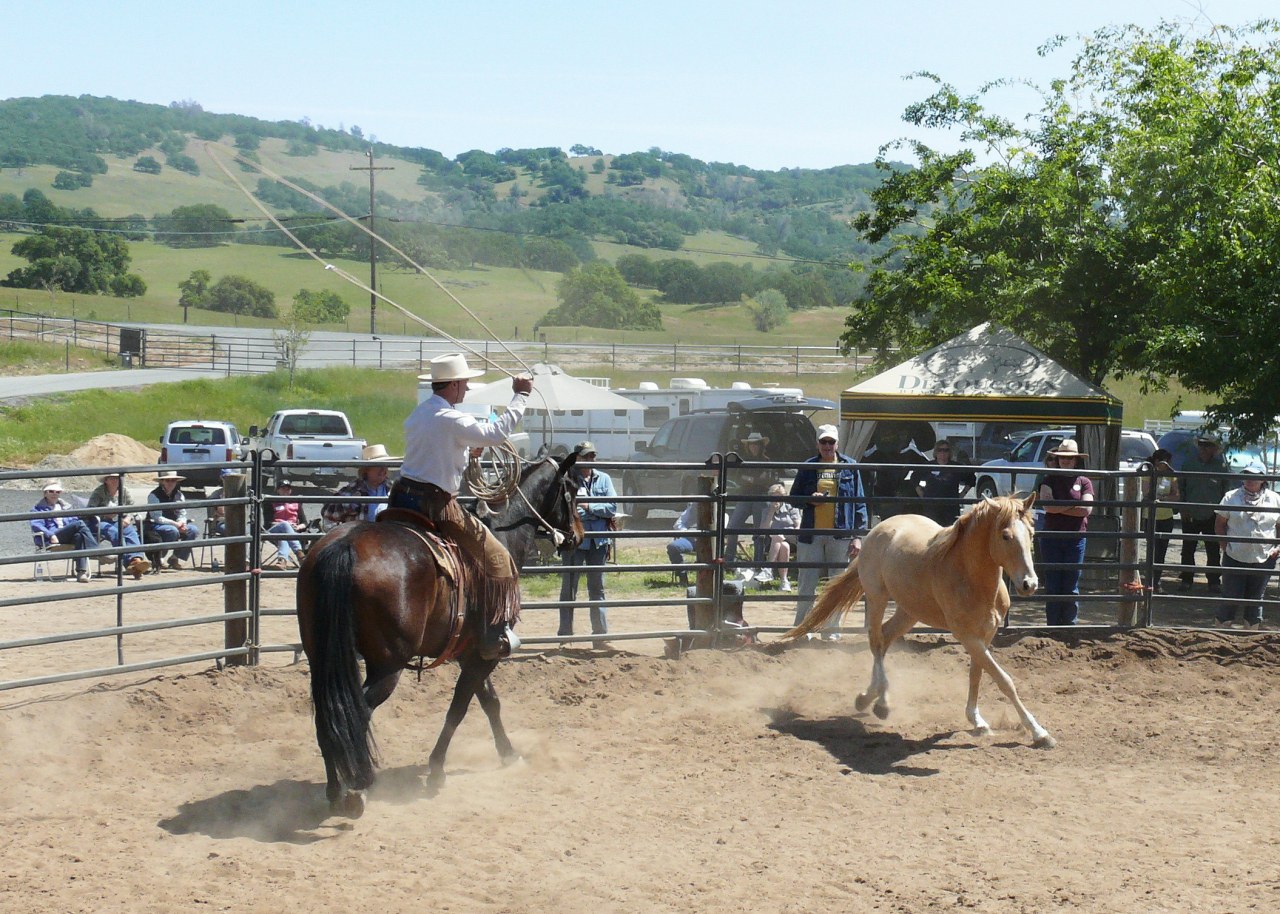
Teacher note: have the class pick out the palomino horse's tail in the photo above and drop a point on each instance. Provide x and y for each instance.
(342, 714)
(840, 593)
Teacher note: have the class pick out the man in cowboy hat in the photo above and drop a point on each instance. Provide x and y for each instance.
(169, 523)
(67, 531)
(438, 440)
(370, 482)
(1068, 502)
(1203, 480)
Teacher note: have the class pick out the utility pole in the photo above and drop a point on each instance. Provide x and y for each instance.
(373, 247)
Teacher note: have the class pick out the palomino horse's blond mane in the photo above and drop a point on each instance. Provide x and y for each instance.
(1000, 510)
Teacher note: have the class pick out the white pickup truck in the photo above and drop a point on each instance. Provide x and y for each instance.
(318, 435)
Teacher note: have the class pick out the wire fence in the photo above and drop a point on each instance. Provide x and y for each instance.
(226, 610)
(237, 354)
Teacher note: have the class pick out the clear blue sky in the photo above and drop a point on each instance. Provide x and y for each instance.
(810, 83)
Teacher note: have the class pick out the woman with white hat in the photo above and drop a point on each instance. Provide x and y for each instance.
(1062, 542)
(169, 524)
(67, 531)
(438, 441)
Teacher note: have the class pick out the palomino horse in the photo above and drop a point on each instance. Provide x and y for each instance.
(374, 589)
(946, 577)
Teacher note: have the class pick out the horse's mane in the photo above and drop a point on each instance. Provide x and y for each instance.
(1000, 510)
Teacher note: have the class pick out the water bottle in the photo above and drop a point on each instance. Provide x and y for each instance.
(39, 570)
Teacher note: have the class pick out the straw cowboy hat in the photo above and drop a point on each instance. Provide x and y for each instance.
(169, 474)
(376, 452)
(1067, 448)
(756, 438)
(451, 367)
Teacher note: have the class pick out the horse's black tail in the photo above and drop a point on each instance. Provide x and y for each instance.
(342, 714)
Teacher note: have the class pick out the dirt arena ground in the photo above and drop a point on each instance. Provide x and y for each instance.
(721, 781)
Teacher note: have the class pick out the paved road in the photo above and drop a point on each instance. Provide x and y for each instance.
(22, 387)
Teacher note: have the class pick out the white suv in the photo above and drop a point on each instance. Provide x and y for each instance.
(1135, 447)
(195, 441)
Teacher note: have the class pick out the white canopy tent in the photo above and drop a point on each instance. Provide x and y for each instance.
(566, 405)
(987, 374)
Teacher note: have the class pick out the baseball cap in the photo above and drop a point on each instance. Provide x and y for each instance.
(828, 431)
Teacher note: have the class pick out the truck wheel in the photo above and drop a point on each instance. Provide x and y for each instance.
(987, 488)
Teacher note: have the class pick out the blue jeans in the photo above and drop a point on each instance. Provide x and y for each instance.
(592, 555)
(75, 532)
(110, 531)
(1243, 582)
(1069, 551)
(285, 548)
(169, 533)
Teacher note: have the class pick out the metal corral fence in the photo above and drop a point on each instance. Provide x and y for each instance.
(149, 347)
(228, 605)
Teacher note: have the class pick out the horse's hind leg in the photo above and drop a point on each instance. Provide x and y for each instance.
(981, 658)
(882, 638)
(492, 706)
(379, 685)
(471, 677)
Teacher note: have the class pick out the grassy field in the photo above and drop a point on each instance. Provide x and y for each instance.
(376, 401)
(508, 300)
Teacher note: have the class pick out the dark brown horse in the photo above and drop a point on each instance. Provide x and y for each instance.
(372, 590)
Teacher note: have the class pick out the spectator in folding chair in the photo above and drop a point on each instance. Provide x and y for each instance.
(371, 482)
(285, 517)
(167, 520)
(781, 519)
(115, 528)
(65, 531)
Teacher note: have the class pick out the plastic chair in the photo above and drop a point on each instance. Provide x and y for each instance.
(45, 552)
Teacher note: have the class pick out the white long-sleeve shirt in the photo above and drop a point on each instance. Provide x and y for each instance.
(438, 436)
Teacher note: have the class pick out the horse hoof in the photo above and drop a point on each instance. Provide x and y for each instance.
(351, 805)
(881, 709)
(862, 701)
(512, 758)
(1045, 742)
(435, 781)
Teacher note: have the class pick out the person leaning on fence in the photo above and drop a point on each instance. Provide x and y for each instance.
(167, 520)
(62, 531)
(1066, 524)
(596, 517)
(1201, 494)
(1160, 487)
(941, 484)
(1250, 557)
(781, 519)
(370, 482)
(438, 441)
(115, 528)
(833, 518)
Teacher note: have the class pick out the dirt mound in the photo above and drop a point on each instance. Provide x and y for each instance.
(109, 450)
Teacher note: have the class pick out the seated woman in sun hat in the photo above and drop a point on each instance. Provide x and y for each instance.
(370, 482)
(117, 527)
(167, 519)
(66, 531)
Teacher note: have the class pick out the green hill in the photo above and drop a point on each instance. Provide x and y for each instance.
(498, 226)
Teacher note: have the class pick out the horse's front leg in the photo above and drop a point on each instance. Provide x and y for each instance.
(470, 679)
(1039, 735)
(971, 711)
(492, 706)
